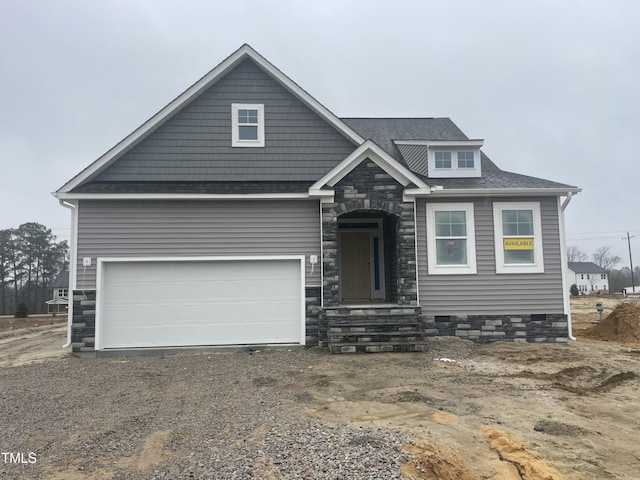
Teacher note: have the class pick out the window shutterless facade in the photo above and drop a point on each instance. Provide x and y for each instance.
(247, 125)
(451, 246)
(518, 237)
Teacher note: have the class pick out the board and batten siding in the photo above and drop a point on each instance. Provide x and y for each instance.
(489, 293)
(174, 228)
(195, 143)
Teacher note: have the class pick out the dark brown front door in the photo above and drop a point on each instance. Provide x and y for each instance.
(355, 266)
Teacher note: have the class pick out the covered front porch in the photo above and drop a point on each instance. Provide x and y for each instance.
(370, 301)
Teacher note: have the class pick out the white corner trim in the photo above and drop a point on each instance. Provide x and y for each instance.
(381, 158)
(245, 51)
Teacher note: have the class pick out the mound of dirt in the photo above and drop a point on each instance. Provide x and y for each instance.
(430, 461)
(622, 325)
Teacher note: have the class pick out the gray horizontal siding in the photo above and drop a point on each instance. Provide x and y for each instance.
(125, 228)
(195, 144)
(488, 293)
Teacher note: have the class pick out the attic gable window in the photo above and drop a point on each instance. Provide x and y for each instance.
(247, 122)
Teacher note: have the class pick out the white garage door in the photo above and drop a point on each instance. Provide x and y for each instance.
(189, 303)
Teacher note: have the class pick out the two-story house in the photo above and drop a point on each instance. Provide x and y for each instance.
(588, 277)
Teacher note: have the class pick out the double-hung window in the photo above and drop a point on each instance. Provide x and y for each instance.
(518, 237)
(451, 245)
(247, 122)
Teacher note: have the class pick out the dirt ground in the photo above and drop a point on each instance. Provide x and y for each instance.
(11, 323)
(496, 411)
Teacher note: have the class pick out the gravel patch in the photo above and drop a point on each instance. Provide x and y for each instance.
(231, 416)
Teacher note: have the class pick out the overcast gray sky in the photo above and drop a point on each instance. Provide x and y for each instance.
(552, 86)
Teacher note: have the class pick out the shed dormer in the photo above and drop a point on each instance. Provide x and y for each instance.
(445, 158)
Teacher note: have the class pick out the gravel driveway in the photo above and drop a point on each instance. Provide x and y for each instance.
(458, 412)
(231, 415)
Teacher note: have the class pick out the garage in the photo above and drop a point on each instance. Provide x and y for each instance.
(199, 301)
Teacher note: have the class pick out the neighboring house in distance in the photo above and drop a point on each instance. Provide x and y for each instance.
(633, 291)
(589, 277)
(245, 213)
(60, 298)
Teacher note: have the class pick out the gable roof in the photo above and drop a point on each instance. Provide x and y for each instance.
(244, 52)
(387, 131)
(585, 267)
(384, 131)
(372, 151)
(389, 139)
(62, 280)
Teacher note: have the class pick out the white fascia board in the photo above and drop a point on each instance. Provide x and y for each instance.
(442, 143)
(245, 51)
(381, 158)
(497, 192)
(180, 196)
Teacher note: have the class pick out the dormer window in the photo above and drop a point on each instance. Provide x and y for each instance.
(443, 159)
(453, 159)
(247, 125)
(465, 160)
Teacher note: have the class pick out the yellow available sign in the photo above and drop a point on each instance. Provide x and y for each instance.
(518, 243)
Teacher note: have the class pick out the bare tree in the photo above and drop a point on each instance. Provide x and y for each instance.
(575, 255)
(605, 259)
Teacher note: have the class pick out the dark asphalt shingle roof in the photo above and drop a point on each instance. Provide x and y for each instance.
(383, 131)
(585, 267)
(62, 280)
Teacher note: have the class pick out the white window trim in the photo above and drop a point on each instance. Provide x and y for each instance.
(235, 140)
(434, 269)
(538, 254)
(454, 171)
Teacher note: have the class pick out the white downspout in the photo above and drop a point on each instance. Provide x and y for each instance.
(563, 259)
(72, 267)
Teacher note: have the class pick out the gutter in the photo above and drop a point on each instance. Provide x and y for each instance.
(72, 270)
(494, 192)
(563, 257)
